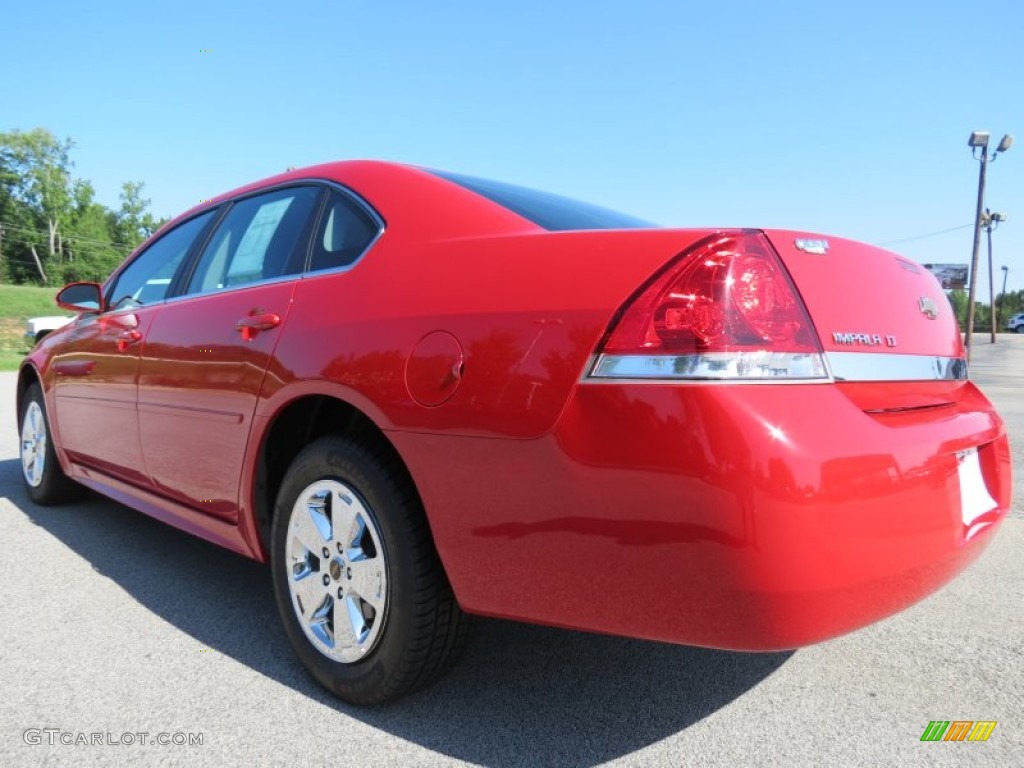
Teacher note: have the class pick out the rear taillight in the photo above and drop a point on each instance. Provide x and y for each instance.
(724, 309)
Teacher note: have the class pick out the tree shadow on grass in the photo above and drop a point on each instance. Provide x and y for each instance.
(521, 695)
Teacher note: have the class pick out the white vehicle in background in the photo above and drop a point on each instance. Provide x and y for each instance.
(1016, 323)
(37, 327)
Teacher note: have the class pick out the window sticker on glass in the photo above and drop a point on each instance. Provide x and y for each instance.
(253, 246)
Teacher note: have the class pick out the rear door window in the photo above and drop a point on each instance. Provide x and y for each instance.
(261, 238)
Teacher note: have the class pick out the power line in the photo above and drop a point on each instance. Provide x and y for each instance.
(928, 234)
(69, 238)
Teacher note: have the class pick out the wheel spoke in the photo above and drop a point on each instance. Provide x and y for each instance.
(311, 524)
(321, 622)
(355, 623)
(308, 590)
(348, 512)
(346, 633)
(368, 581)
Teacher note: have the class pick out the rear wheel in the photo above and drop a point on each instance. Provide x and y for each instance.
(358, 583)
(45, 481)
(1019, 329)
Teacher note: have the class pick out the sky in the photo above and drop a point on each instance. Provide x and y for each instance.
(849, 119)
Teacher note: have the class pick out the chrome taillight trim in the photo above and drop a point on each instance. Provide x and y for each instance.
(879, 366)
(777, 367)
(742, 366)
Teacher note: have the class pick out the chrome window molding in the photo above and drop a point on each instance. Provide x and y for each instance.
(774, 368)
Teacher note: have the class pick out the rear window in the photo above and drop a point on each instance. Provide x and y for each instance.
(544, 209)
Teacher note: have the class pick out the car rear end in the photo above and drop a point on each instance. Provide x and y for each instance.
(786, 423)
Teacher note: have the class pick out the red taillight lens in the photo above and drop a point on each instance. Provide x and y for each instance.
(729, 294)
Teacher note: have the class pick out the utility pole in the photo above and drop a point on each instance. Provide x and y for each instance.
(1002, 296)
(979, 140)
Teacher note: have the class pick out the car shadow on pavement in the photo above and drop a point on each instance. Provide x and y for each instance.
(521, 694)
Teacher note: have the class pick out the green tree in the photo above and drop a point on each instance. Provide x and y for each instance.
(91, 255)
(51, 228)
(134, 222)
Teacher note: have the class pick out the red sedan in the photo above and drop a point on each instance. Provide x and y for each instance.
(420, 396)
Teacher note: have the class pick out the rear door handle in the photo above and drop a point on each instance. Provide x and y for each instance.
(257, 321)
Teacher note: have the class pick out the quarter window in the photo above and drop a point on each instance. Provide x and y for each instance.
(148, 278)
(345, 231)
(260, 238)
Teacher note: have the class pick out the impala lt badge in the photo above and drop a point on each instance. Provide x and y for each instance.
(864, 339)
(927, 307)
(819, 247)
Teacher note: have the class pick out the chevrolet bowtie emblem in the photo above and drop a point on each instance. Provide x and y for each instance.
(927, 307)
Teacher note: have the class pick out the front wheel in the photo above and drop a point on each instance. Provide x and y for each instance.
(359, 586)
(45, 481)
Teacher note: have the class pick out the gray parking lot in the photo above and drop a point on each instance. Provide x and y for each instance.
(117, 625)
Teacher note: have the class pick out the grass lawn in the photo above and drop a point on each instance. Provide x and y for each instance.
(17, 304)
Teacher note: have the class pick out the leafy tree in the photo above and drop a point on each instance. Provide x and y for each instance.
(38, 167)
(51, 227)
(134, 223)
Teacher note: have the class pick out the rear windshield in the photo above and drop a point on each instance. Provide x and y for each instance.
(544, 209)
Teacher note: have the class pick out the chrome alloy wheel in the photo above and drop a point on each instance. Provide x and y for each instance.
(337, 571)
(33, 444)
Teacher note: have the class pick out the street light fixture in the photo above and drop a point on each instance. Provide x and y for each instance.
(979, 140)
(991, 220)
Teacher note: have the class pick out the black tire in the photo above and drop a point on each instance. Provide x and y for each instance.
(53, 486)
(422, 629)
(1020, 329)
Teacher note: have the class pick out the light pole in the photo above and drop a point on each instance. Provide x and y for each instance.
(1002, 296)
(991, 221)
(979, 140)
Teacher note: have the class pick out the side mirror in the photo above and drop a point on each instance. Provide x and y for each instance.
(81, 297)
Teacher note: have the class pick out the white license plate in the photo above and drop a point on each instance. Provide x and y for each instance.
(975, 500)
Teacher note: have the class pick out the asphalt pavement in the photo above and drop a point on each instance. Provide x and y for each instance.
(117, 629)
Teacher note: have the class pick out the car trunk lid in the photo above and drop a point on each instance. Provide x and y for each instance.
(864, 299)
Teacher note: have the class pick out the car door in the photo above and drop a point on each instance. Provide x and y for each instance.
(96, 366)
(208, 349)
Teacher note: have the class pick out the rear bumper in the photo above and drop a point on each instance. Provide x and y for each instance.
(742, 517)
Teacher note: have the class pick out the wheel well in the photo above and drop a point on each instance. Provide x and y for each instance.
(295, 427)
(27, 376)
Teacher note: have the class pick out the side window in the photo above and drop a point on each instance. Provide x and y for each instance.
(148, 278)
(345, 231)
(261, 237)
